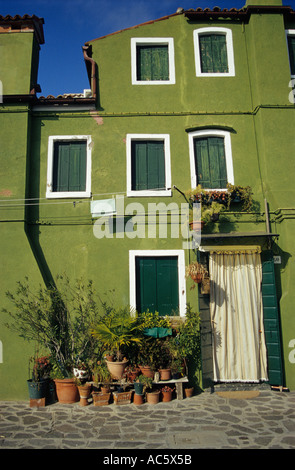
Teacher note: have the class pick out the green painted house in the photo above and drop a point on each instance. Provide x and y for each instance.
(94, 184)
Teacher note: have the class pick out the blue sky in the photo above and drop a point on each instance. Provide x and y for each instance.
(71, 23)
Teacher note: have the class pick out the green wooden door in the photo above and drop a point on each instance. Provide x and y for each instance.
(271, 320)
(157, 284)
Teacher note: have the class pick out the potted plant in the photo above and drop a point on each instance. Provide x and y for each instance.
(38, 384)
(116, 331)
(211, 212)
(176, 368)
(59, 318)
(153, 395)
(84, 389)
(166, 393)
(81, 371)
(232, 194)
(189, 391)
(196, 271)
(188, 339)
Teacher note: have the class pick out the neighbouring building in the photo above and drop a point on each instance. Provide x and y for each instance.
(92, 184)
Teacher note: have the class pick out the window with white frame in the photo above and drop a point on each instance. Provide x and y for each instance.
(214, 54)
(152, 61)
(148, 165)
(290, 35)
(157, 281)
(69, 166)
(211, 159)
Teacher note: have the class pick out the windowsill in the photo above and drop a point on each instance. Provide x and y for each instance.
(154, 82)
(150, 193)
(228, 74)
(68, 195)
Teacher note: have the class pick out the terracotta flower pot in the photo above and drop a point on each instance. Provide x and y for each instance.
(197, 278)
(165, 374)
(101, 399)
(153, 397)
(66, 390)
(189, 392)
(167, 395)
(196, 225)
(147, 371)
(116, 368)
(84, 392)
(138, 399)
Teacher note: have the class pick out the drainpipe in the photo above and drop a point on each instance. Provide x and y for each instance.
(93, 70)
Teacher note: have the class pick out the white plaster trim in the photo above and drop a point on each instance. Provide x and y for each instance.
(146, 41)
(181, 275)
(229, 46)
(69, 194)
(149, 192)
(228, 154)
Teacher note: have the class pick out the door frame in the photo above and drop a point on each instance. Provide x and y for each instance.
(181, 274)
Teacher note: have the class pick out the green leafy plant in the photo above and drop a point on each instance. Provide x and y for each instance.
(211, 212)
(233, 194)
(117, 330)
(58, 318)
(146, 381)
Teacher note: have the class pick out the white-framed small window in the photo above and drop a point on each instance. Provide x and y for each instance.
(69, 166)
(145, 290)
(148, 165)
(152, 61)
(214, 53)
(290, 36)
(211, 161)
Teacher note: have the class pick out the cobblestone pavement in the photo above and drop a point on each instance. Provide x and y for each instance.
(205, 421)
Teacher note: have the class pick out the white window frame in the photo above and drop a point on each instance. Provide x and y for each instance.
(227, 149)
(181, 275)
(289, 32)
(152, 41)
(229, 46)
(68, 194)
(149, 192)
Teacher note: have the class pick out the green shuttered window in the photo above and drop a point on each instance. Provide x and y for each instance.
(157, 284)
(291, 47)
(213, 53)
(69, 166)
(210, 162)
(152, 62)
(148, 165)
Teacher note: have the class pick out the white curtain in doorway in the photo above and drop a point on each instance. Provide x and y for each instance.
(239, 351)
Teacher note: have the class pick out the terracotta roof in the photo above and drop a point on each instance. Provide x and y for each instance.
(137, 26)
(21, 23)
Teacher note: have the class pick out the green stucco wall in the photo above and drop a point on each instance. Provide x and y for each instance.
(58, 236)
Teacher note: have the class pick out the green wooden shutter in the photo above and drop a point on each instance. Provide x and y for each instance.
(291, 47)
(213, 53)
(167, 286)
(69, 166)
(147, 165)
(271, 320)
(210, 162)
(152, 62)
(157, 285)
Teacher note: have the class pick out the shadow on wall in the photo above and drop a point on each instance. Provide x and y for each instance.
(33, 179)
